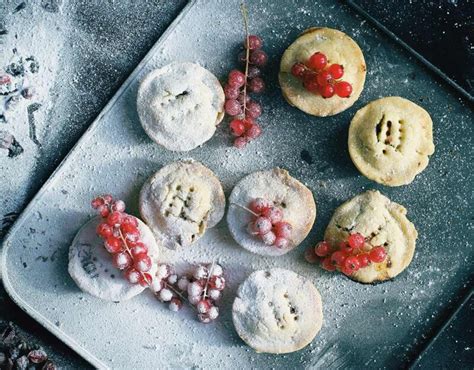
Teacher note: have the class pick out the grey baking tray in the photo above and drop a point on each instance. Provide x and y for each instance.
(375, 326)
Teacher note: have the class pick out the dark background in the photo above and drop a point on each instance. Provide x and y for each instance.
(442, 31)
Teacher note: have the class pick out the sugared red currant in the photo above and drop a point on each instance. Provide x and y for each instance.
(157, 285)
(258, 205)
(97, 202)
(254, 110)
(336, 70)
(163, 271)
(274, 214)
(232, 107)
(378, 254)
(217, 282)
(327, 264)
(195, 289)
(237, 126)
(240, 142)
(130, 232)
(104, 230)
(142, 262)
(256, 85)
(172, 279)
(139, 248)
(269, 238)
(183, 283)
(129, 220)
(253, 42)
(112, 244)
(253, 72)
(322, 249)
(236, 78)
(356, 241)
(133, 276)
(203, 306)
(217, 270)
(298, 70)
(258, 58)
(103, 210)
(243, 98)
(281, 243)
(114, 218)
(343, 89)
(213, 312)
(254, 132)
(317, 61)
(175, 304)
(200, 272)
(214, 294)
(283, 229)
(262, 225)
(231, 92)
(121, 260)
(119, 206)
(166, 295)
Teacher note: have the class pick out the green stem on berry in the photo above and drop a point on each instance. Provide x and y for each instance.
(245, 209)
(244, 12)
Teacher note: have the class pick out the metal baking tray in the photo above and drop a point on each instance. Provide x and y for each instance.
(376, 326)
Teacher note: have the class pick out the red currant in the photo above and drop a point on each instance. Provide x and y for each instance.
(327, 91)
(254, 110)
(253, 42)
(107, 198)
(310, 81)
(133, 276)
(175, 304)
(343, 89)
(130, 232)
(142, 262)
(351, 263)
(345, 247)
(327, 264)
(356, 241)
(203, 306)
(237, 126)
(115, 218)
(323, 249)
(256, 85)
(274, 214)
(336, 70)
(97, 202)
(195, 289)
(337, 258)
(139, 248)
(258, 205)
(269, 238)
(363, 259)
(324, 78)
(310, 256)
(165, 295)
(119, 206)
(298, 70)
(213, 313)
(112, 244)
(317, 61)
(253, 72)
(378, 254)
(236, 78)
(232, 107)
(283, 229)
(104, 230)
(281, 243)
(262, 225)
(258, 58)
(254, 132)
(121, 260)
(103, 210)
(240, 142)
(217, 282)
(241, 99)
(231, 92)
(129, 220)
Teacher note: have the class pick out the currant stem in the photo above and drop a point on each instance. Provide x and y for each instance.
(244, 12)
(208, 278)
(245, 209)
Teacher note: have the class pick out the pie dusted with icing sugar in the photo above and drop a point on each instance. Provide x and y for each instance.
(384, 223)
(180, 201)
(339, 48)
(390, 140)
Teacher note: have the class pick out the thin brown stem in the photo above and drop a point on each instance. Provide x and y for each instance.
(244, 12)
(245, 209)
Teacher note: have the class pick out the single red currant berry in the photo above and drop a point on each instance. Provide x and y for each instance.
(345, 247)
(103, 210)
(213, 313)
(119, 206)
(217, 270)
(97, 202)
(258, 58)
(231, 92)
(107, 198)
(363, 259)
(129, 220)
(204, 318)
(324, 78)
(217, 282)
(317, 61)
(194, 289)
(356, 241)
(262, 225)
(327, 264)
(254, 132)
(203, 306)
(240, 142)
(183, 283)
(253, 72)
(311, 85)
(248, 122)
(323, 249)
(241, 99)
(145, 279)
(275, 214)
(352, 263)
(194, 299)
(104, 230)
(283, 229)
(254, 110)
(163, 271)
(165, 295)
(281, 243)
(130, 232)
(200, 272)
(115, 218)
(121, 260)
(336, 70)
(214, 294)
(269, 238)
(253, 42)
(337, 258)
(139, 248)
(232, 107)
(237, 126)
(378, 254)
(310, 256)
(157, 285)
(256, 85)
(327, 91)
(343, 89)
(112, 244)
(175, 304)
(142, 262)
(298, 70)
(236, 78)
(258, 205)
(133, 276)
